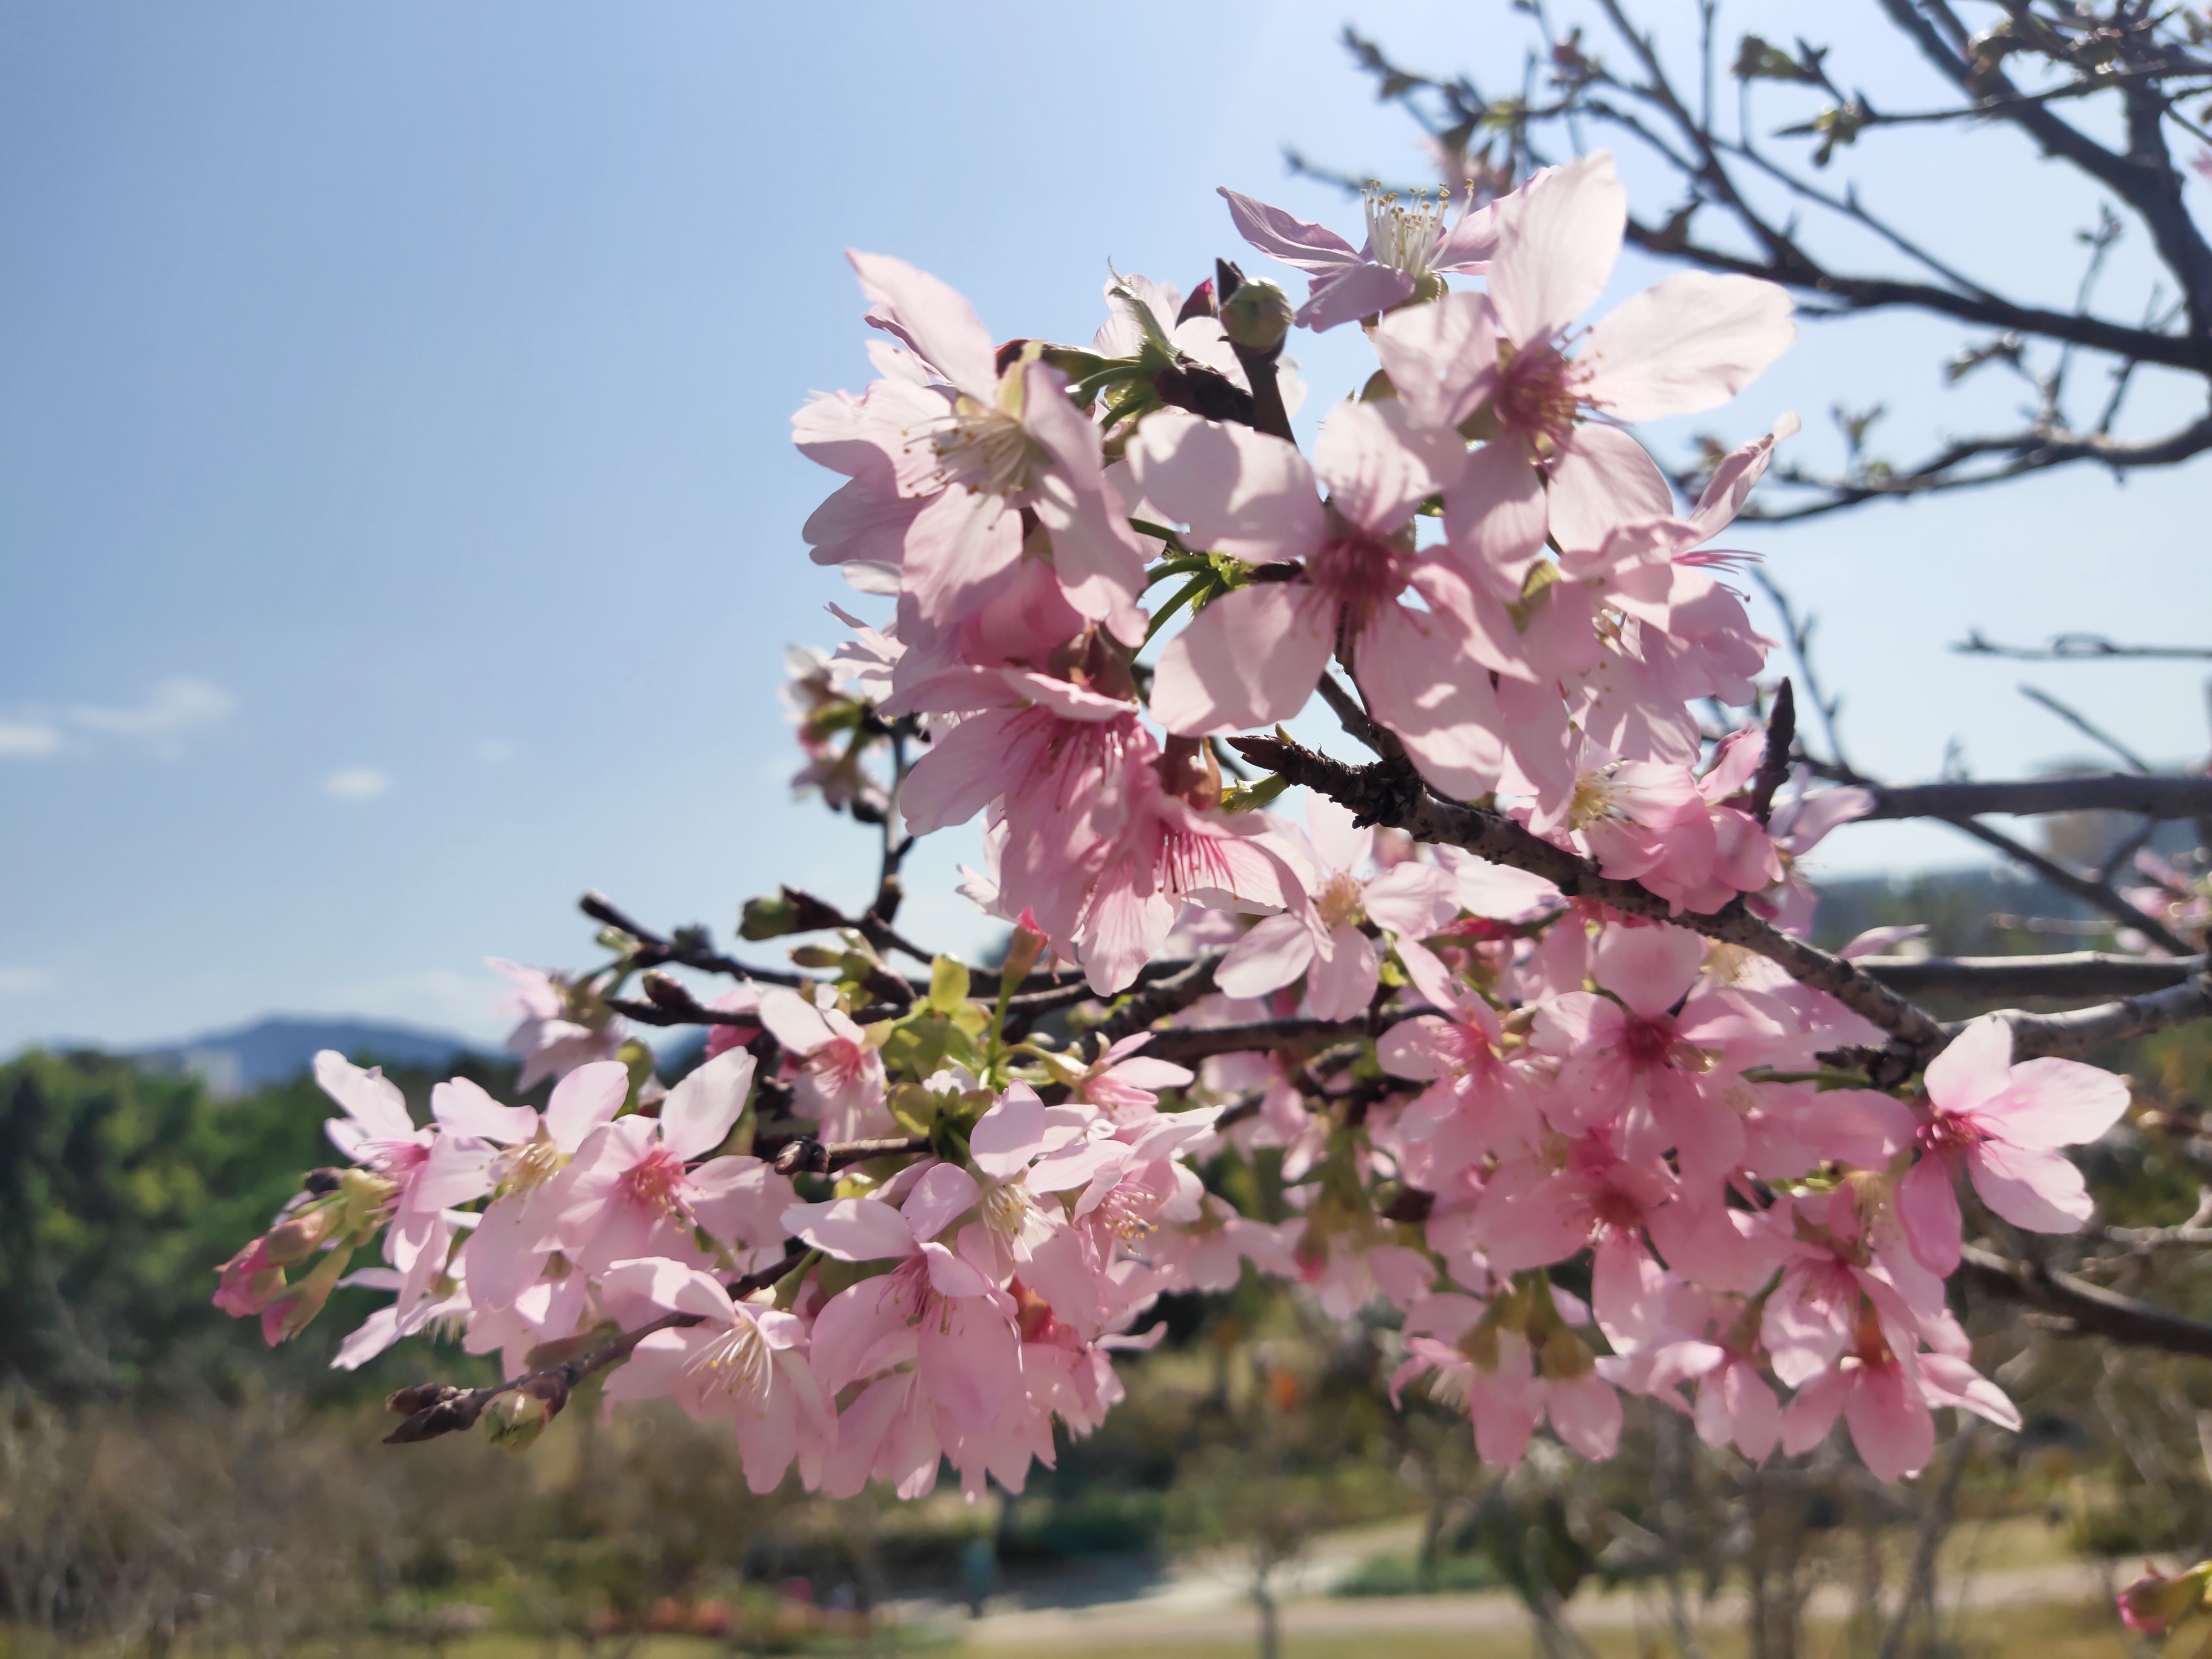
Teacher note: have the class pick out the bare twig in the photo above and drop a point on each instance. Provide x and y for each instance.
(1382, 794)
(438, 1408)
(2076, 974)
(2088, 1310)
(2154, 796)
(2079, 647)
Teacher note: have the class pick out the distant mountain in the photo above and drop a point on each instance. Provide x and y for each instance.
(278, 1049)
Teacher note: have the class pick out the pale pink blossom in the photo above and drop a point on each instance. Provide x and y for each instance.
(549, 1040)
(2004, 1124)
(743, 1363)
(1326, 939)
(840, 1075)
(1409, 244)
(1252, 657)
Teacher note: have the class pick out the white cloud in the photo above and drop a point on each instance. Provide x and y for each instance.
(15, 981)
(356, 783)
(176, 709)
(494, 751)
(26, 740)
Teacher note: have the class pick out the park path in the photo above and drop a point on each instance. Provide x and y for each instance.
(1212, 1603)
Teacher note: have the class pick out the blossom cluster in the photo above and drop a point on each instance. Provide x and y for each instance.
(887, 1226)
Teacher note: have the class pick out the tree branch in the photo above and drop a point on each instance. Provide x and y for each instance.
(2078, 1030)
(2077, 974)
(1383, 794)
(2089, 1309)
(2160, 796)
(432, 1409)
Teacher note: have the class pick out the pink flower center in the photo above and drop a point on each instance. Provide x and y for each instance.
(838, 1062)
(654, 1181)
(1125, 1212)
(1949, 1132)
(1360, 572)
(1540, 395)
(1342, 901)
(1647, 1044)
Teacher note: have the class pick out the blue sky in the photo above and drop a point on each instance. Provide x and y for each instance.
(399, 526)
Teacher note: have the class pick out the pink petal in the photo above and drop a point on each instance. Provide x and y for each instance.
(1927, 1206)
(1890, 1423)
(1975, 1068)
(700, 1110)
(1412, 666)
(1808, 1419)
(1495, 515)
(1344, 983)
(970, 1361)
(793, 1021)
(2041, 1191)
(1379, 467)
(1442, 358)
(1686, 344)
(1009, 1134)
(1726, 491)
(1251, 658)
(1356, 291)
(464, 1108)
(1754, 1417)
(1411, 898)
(961, 547)
(1586, 1414)
(1295, 242)
(1410, 1048)
(963, 771)
(1558, 236)
(1947, 1380)
(458, 1170)
(1241, 492)
(943, 1191)
(1343, 844)
(1271, 955)
(1648, 968)
(852, 1229)
(2057, 1103)
(671, 1285)
(1602, 478)
(942, 325)
(370, 1099)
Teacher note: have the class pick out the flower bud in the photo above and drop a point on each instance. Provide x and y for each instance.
(1022, 950)
(1257, 317)
(2154, 1602)
(513, 1421)
(291, 1243)
(768, 917)
(250, 1282)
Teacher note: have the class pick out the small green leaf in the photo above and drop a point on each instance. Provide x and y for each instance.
(948, 984)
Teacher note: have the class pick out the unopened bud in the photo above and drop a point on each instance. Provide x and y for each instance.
(293, 1242)
(1257, 317)
(2154, 1602)
(770, 917)
(513, 1421)
(1023, 950)
(405, 1402)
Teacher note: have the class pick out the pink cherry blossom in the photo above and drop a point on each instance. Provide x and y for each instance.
(840, 1076)
(1252, 657)
(2004, 1123)
(1408, 243)
(1325, 941)
(742, 1362)
(550, 1041)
